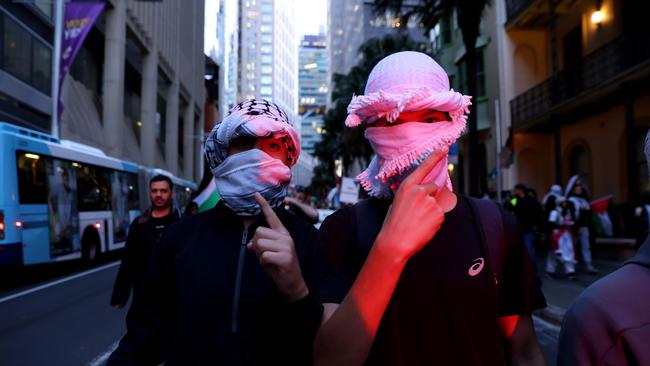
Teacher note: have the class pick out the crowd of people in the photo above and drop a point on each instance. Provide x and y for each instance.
(414, 275)
(561, 225)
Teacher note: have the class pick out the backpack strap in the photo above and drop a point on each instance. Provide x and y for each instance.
(368, 222)
(488, 220)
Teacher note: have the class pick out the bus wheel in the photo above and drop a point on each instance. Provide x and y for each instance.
(90, 248)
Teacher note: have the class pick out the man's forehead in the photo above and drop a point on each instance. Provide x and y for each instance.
(161, 184)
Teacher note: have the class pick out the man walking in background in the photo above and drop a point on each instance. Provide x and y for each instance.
(144, 232)
(527, 211)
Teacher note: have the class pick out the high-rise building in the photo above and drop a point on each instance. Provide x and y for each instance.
(222, 46)
(135, 89)
(269, 53)
(313, 89)
(351, 23)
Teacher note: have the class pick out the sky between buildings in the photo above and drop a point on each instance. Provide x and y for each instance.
(310, 16)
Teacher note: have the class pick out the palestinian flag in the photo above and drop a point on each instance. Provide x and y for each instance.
(600, 205)
(208, 198)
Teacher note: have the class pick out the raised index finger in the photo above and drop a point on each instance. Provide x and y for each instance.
(426, 167)
(271, 218)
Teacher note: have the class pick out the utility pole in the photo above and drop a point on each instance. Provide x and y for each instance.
(56, 65)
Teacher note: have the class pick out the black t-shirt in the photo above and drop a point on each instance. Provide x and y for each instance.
(159, 224)
(441, 311)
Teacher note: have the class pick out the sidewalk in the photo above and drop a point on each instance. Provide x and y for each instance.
(561, 292)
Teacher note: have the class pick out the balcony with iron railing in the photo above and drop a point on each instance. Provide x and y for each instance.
(596, 69)
(515, 7)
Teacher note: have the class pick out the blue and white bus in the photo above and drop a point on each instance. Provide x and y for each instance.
(61, 200)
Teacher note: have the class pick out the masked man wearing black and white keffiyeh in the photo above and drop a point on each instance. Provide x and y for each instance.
(231, 285)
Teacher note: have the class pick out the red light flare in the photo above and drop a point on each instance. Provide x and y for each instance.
(19, 224)
(97, 225)
(508, 324)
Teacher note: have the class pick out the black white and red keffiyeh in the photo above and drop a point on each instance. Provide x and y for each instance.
(256, 118)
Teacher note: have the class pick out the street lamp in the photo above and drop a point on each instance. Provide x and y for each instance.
(597, 17)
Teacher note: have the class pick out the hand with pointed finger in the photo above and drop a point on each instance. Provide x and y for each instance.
(276, 252)
(415, 216)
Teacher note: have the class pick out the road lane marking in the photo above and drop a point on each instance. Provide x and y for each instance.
(103, 357)
(58, 282)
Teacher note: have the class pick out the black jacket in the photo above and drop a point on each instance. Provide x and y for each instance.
(208, 301)
(144, 232)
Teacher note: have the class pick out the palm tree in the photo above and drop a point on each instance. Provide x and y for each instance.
(338, 141)
(469, 14)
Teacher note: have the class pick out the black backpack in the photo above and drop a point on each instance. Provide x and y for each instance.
(488, 220)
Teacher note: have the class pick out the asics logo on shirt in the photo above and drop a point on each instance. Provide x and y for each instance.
(476, 267)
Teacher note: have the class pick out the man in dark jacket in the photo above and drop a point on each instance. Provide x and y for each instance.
(229, 286)
(527, 211)
(609, 323)
(144, 232)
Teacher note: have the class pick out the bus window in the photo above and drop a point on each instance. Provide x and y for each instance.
(62, 208)
(134, 198)
(182, 196)
(93, 188)
(31, 178)
(120, 204)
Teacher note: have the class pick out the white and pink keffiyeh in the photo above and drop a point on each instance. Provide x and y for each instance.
(404, 82)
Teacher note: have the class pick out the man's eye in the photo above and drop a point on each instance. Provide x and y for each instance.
(274, 146)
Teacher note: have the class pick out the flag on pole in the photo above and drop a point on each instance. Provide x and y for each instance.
(208, 198)
(78, 20)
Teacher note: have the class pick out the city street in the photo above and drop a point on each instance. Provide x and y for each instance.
(120, 119)
(547, 334)
(65, 321)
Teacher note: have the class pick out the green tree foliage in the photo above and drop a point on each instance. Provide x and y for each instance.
(338, 141)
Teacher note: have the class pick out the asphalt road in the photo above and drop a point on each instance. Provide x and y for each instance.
(547, 334)
(66, 323)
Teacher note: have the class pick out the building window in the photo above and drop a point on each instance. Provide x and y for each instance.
(86, 69)
(265, 90)
(17, 50)
(45, 6)
(132, 100)
(579, 160)
(267, 69)
(266, 59)
(266, 38)
(181, 133)
(480, 75)
(25, 56)
(445, 30)
(267, 48)
(161, 111)
(42, 67)
(266, 80)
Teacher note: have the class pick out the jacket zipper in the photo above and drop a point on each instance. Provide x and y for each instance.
(240, 270)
